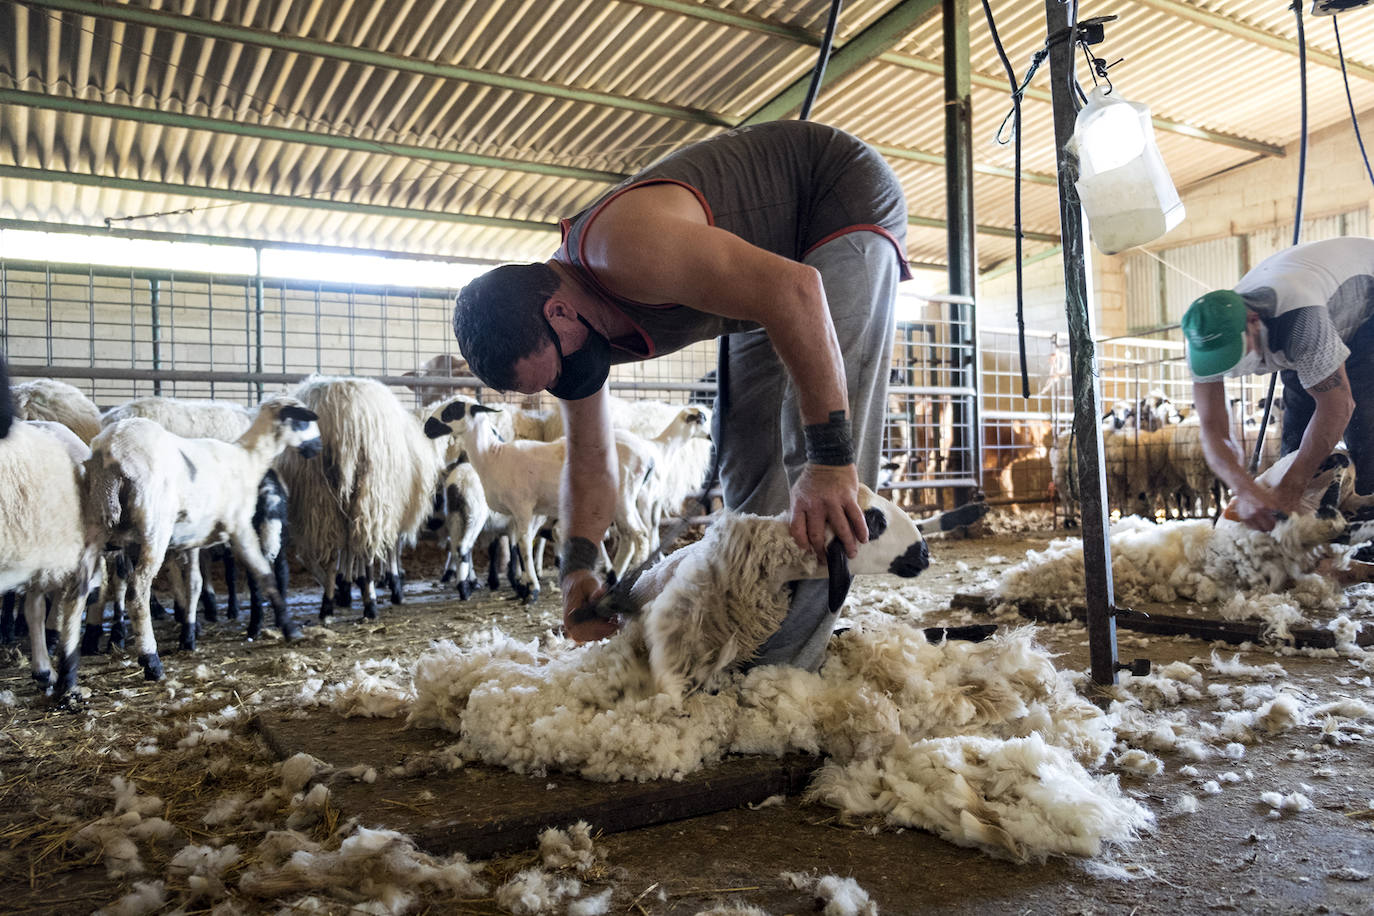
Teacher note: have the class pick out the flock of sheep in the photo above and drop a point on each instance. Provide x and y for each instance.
(93, 506)
(1153, 462)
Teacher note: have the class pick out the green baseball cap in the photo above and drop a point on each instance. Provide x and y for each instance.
(1214, 326)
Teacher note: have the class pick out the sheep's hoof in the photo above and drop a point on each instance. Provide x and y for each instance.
(465, 590)
(252, 633)
(292, 632)
(396, 596)
(43, 679)
(188, 637)
(65, 688)
(448, 574)
(208, 610)
(90, 639)
(326, 608)
(369, 610)
(493, 580)
(531, 596)
(231, 610)
(152, 667)
(117, 635)
(343, 592)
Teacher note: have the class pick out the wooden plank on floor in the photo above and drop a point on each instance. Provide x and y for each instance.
(483, 811)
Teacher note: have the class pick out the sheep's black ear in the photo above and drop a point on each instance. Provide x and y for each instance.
(482, 408)
(877, 522)
(436, 430)
(837, 567)
(295, 412)
(455, 411)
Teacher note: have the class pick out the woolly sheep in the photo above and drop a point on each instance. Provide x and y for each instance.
(142, 491)
(712, 604)
(49, 399)
(43, 548)
(465, 514)
(370, 491)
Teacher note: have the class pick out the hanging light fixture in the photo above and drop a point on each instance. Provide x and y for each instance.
(1332, 7)
(1123, 183)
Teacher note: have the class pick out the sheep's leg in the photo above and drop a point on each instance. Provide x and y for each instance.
(494, 562)
(250, 554)
(118, 586)
(140, 592)
(280, 577)
(95, 619)
(194, 586)
(40, 665)
(326, 581)
(49, 624)
(68, 647)
(397, 576)
(231, 586)
(528, 579)
(367, 589)
(206, 593)
(343, 588)
(7, 618)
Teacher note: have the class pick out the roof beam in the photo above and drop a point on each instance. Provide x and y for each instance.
(1254, 35)
(277, 200)
(863, 48)
(987, 81)
(731, 18)
(324, 203)
(69, 105)
(927, 222)
(291, 135)
(191, 25)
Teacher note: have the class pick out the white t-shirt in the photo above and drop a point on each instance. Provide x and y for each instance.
(1312, 299)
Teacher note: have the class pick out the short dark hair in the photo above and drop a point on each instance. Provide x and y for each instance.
(499, 318)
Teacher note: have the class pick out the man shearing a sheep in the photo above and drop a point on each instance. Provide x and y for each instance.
(1304, 312)
(787, 237)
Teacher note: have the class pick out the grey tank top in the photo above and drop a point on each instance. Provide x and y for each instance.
(785, 186)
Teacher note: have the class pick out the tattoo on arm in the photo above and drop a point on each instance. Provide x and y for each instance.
(1328, 384)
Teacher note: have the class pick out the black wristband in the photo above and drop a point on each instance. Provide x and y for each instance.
(830, 443)
(578, 553)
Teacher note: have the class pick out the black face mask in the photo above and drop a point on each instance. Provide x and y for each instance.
(584, 372)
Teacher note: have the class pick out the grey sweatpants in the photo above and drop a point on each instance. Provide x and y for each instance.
(763, 449)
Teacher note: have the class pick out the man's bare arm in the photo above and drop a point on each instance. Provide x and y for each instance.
(1334, 405)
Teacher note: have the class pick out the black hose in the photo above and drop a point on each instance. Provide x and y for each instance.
(1345, 77)
(1016, 198)
(6, 407)
(818, 74)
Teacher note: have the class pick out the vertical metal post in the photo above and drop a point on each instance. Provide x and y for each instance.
(155, 331)
(257, 318)
(210, 325)
(963, 263)
(1092, 489)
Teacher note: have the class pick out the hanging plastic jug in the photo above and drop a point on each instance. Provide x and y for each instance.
(1125, 188)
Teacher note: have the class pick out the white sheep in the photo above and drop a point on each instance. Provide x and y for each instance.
(369, 493)
(152, 491)
(49, 399)
(43, 548)
(465, 517)
(713, 603)
(679, 450)
(194, 419)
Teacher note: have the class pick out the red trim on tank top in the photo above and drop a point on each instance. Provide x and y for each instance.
(863, 227)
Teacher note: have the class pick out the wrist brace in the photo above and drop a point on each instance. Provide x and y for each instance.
(830, 443)
(577, 553)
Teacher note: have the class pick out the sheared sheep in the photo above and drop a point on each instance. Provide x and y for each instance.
(49, 399)
(43, 548)
(142, 492)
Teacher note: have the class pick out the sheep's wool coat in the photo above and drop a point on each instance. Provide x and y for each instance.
(986, 744)
(1194, 561)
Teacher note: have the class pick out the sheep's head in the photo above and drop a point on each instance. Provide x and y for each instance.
(297, 424)
(895, 544)
(453, 418)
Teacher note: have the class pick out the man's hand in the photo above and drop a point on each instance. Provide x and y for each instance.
(1257, 507)
(825, 495)
(581, 588)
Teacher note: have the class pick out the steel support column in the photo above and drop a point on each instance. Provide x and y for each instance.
(963, 261)
(1092, 488)
(257, 317)
(155, 330)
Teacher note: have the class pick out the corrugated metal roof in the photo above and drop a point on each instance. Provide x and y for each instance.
(467, 127)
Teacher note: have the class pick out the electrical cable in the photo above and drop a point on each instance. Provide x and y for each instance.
(818, 73)
(1297, 212)
(1350, 99)
(1016, 195)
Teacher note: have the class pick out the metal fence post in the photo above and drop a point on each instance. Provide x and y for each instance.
(1092, 490)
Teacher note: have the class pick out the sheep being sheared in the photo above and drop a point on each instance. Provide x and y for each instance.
(1193, 560)
(712, 604)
